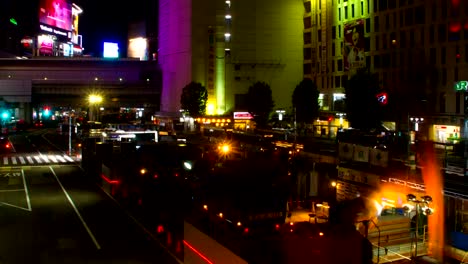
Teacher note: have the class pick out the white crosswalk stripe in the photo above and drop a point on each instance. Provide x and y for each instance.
(38, 159)
(60, 159)
(52, 158)
(35, 159)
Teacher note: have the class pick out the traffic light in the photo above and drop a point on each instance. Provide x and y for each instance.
(46, 111)
(5, 115)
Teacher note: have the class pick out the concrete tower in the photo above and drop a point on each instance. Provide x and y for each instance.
(229, 45)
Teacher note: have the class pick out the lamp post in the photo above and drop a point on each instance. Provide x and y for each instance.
(425, 200)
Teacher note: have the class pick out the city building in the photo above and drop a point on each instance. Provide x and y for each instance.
(227, 46)
(418, 48)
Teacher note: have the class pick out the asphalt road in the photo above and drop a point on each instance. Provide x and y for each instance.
(54, 214)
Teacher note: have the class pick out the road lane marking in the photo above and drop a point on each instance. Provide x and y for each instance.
(26, 191)
(76, 210)
(30, 160)
(44, 158)
(38, 159)
(18, 207)
(5, 160)
(68, 158)
(15, 190)
(13, 159)
(52, 158)
(22, 160)
(60, 158)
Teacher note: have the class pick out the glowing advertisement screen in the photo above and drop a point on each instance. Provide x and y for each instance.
(354, 45)
(56, 13)
(111, 50)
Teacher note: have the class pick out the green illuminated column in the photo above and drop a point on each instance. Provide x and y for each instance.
(462, 86)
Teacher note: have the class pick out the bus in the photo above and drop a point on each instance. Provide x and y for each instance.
(138, 136)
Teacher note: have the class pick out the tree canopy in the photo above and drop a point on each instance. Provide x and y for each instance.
(362, 107)
(260, 102)
(193, 99)
(305, 101)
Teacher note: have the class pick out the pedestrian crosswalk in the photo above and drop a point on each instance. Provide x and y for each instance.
(35, 159)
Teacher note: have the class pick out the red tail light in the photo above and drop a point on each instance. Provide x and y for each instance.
(246, 230)
(7, 145)
(160, 229)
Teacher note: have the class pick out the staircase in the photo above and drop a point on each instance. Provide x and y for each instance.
(394, 241)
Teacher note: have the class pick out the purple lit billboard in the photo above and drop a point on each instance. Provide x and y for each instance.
(56, 13)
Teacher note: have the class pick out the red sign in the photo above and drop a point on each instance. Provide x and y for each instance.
(242, 115)
(382, 98)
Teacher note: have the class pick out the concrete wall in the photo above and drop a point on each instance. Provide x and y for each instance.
(267, 44)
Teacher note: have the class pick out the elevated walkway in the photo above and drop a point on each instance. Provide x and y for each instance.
(392, 239)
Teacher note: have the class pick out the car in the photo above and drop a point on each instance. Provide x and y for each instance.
(6, 146)
(38, 124)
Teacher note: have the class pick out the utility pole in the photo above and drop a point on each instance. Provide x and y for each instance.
(295, 127)
(69, 133)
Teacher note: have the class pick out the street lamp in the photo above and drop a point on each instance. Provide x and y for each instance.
(94, 99)
(425, 200)
(416, 121)
(280, 113)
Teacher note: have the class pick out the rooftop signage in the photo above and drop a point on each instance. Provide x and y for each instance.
(242, 115)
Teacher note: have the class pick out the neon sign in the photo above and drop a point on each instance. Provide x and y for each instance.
(461, 86)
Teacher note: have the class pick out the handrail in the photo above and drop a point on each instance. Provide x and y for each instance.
(386, 249)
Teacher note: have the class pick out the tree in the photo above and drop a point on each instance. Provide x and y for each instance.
(305, 101)
(362, 107)
(260, 102)
(193, 99)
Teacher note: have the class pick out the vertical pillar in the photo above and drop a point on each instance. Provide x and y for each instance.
(465, 130)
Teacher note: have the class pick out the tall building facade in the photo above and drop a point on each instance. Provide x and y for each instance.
(227, 46)
(418, 48)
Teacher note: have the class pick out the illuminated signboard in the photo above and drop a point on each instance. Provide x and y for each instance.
(56, 13)
(111, 50)
(461, 86)
(382, 98)
(45, 44)
(242, 115)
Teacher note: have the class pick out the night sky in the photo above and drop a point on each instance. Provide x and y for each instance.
(107, 20)
(101, 20)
